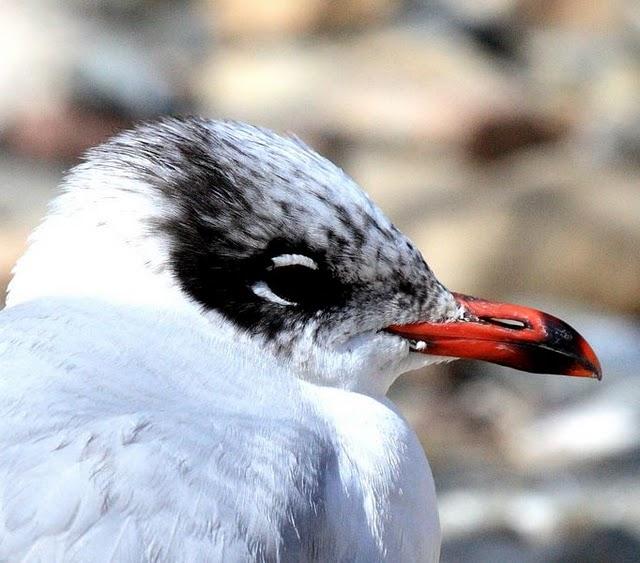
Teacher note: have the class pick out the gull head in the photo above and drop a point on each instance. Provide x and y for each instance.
(278, 250)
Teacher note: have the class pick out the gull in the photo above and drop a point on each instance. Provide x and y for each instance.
(196, 350)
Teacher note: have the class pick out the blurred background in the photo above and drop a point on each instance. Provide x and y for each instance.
(503, 136)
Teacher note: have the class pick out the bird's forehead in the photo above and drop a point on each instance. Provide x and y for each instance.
(324, 214)
(252, 187)
(240, 189)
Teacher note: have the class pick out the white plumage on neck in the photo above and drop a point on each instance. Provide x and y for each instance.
(93, 244)
(152, 429)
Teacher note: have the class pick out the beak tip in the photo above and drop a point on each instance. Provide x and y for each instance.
(597, 372)
(583, 365)
(590, 361)
(590, 372)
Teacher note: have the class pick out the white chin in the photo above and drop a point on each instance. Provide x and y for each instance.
(416, 360)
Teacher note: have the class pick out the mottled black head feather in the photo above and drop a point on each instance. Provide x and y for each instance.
(274, 246)
(238, 196)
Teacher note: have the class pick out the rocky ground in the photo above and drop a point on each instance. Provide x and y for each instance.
(503, 136)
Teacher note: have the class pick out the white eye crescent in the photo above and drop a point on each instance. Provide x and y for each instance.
(294, 260)
(261, 289)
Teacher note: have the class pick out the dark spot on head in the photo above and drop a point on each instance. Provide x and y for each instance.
(337, 242)
(403, 285)
(232, 210)
(343, 215)
(285, 206)
(321, 197)
(358, 238)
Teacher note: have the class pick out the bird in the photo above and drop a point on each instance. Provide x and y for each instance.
(196, 350)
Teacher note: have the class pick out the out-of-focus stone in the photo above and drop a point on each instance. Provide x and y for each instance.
(271, 86)
(32, 72)
(597, 545)
(597, 16)
(394, 86)
(411, 183)
(358, 14)
(602, 105)
(253, 18)
(281, 18)
(61, 65)
(576, 424)
(498, 136)
(415, 85)
(610, 123)
(480, 11)
(63, 134)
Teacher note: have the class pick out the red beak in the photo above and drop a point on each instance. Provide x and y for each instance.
(509, 335)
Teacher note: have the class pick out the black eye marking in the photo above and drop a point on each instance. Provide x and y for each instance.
(295, 280)
(290, 279)
(298, 285)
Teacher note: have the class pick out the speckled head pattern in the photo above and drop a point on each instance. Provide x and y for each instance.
(262, 230)
(242, 196)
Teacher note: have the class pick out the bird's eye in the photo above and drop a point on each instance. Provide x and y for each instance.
(291, 279)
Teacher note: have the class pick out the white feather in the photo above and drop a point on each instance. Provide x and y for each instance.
(294, 260)
(261, 289)
(197, 453)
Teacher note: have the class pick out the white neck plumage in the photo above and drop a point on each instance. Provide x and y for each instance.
(91, 245)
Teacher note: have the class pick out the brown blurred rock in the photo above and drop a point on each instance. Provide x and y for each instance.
(62, 133)
(498, 136)
(597, 16)
(393, 86)
(357, 14)
(590, 80)
(252, 19)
